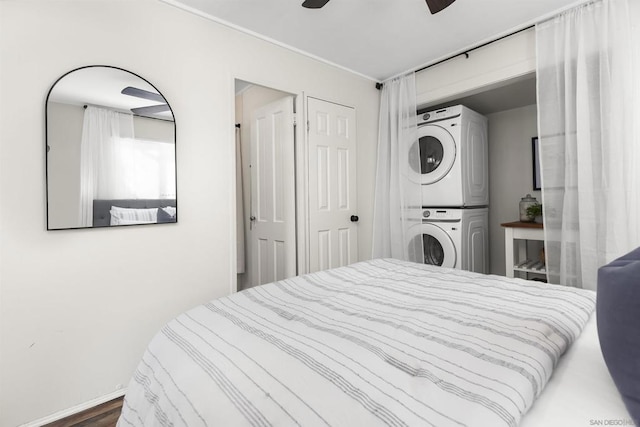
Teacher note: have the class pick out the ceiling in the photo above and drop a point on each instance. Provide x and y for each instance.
(378, 39)
(102, 87)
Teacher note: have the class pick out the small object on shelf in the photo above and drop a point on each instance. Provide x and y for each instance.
(526, 202)
(534, 212)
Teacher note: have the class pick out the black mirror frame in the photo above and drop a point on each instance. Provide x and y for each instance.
(47, 148)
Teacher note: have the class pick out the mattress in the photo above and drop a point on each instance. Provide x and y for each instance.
(381, 342)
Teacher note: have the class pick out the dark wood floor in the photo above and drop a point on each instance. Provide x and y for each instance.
(104, 415)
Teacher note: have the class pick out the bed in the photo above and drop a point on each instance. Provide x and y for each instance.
(581, 391)
(380, 342)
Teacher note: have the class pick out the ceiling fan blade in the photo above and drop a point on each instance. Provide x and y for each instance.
(436, 6)
(314, 4)
(152, 109)
(141, 93)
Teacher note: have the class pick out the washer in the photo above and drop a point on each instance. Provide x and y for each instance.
(455, 238)
(453, 152)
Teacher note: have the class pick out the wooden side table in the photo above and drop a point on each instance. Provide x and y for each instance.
(517, 233)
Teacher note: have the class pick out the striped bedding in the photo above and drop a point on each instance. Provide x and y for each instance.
(381, 342)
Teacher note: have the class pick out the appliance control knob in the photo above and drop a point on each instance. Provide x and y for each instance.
(426, 116)
(426, 214)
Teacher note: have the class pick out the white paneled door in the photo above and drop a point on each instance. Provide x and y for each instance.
(333, 231)
(272, 221)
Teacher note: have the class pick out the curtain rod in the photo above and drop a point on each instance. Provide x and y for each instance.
(133, 114)
(465, 53)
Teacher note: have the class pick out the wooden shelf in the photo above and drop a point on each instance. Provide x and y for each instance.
(520, 224)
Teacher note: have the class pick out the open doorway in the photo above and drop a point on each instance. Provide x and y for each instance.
(265, 184)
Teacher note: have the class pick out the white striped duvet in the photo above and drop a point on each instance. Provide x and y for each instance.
(380, 342)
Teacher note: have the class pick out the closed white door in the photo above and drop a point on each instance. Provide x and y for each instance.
(272, 213)
(333, 231)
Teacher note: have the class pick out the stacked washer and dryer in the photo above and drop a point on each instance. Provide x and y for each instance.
(455, 188)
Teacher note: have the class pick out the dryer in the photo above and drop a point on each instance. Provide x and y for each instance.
(455, 238)
(453, 150)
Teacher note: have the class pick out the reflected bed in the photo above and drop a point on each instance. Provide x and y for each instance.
(102, 208)
(381, 342)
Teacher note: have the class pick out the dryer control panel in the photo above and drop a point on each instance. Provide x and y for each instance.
(437, 115)
(435, 214)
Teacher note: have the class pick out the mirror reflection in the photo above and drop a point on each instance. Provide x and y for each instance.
(111, 157)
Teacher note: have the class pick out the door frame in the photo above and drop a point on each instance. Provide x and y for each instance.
(301, 178)
(301, 156)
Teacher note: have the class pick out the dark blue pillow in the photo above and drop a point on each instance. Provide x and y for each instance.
(618, 314)
(164, 216)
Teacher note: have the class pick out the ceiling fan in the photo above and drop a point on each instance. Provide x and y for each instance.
(151, 96)
(435, 6)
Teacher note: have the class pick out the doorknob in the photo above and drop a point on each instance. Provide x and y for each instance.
(354, 218)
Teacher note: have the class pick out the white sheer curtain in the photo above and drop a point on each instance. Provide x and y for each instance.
(587, 105)
(398, 196)
(100, 127)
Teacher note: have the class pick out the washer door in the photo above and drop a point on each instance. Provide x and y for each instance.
(437, 151)
(438, 246)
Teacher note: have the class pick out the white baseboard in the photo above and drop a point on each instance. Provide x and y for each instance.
(76, 409)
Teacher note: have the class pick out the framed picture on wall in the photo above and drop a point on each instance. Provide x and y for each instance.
(537, 183)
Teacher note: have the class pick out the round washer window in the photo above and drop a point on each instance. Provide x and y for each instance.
(431, 154)
(437, 245)
(433, 250)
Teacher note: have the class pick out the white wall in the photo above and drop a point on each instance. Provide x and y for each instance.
(78, 307)
(153, 129)
(510, 173)
(503, 61)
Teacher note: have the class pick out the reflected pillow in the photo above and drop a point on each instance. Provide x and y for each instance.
(171, 210)
(129, 216)
(165, 216)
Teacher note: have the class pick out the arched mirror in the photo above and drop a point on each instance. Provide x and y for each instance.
(111, 151)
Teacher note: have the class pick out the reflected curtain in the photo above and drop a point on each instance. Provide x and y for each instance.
(398, 194)
(590, 164)
(100, 127)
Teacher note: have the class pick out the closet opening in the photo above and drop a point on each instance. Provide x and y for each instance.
(265, 184)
